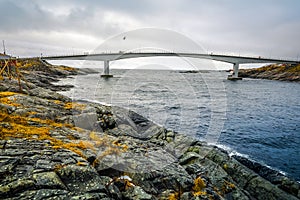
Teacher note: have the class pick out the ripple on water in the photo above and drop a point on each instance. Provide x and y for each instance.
(262, 117)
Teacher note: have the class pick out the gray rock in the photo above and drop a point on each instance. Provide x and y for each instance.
(186, 196)
(48, 180)
(48, 194)
(86, 121)
(188, 158)
(159, 161)
(81, 179)
(136, 193)
(16, 186)
(90, 196)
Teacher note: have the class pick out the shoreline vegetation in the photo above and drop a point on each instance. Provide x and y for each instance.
(282, 72)
(54, 148)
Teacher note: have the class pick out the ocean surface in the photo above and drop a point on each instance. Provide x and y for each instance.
(259, 119)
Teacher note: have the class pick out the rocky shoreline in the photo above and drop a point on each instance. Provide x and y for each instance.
(53, 148)
(280, 72)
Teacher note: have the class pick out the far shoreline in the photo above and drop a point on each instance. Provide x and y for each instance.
(279, 72)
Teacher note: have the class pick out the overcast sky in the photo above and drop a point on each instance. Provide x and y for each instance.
(269, 28)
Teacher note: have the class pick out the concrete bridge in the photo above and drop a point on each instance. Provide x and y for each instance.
(107, 57)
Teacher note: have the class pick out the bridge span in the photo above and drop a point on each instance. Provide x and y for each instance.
(107, 57)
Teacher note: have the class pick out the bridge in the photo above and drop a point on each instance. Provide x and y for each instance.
(107, 57)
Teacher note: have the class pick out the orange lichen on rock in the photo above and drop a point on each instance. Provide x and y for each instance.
(14, 130)
(7, 94)
(227, 187)
(123, 146)
(49, 122)
(6, 98)
(75, 147)
(75, 106)
(57, 102)
(174, 196)
(14, 126)
(28, 126)
(81, 163)
(198, 188)
(9, 102)
(110, 146)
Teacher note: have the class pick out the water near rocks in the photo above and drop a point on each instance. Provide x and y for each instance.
(259, 119)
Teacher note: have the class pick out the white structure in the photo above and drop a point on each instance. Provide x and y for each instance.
(106, 57)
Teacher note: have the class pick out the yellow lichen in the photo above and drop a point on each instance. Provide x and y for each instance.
(31, 113)
(70, 137)
(80, 130)
(34, 128)
(77, 146)
(123, 146)
(88, 145)
(7, 94)
(94, 136)
(227, 187)
(174, 196)
(58, 167)
(9, 102)
(22, 131)
(199, 186)
(81, 163)
(75, 106)
(225, 166)
(200, 193)
(57, 102)
(19, 127)
(110, 147)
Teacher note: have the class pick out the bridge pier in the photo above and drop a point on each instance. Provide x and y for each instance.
(235, 74)
(106, 70)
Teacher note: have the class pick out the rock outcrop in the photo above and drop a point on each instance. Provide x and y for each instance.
(53, 148)
(280, 72)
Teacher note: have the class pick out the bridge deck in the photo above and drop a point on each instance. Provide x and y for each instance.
(216, 57)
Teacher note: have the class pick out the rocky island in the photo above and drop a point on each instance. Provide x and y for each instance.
(282, 72)
(54, 148)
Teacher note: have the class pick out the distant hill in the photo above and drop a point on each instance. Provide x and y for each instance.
(283, 72)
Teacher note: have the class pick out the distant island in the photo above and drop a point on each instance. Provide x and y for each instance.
(282, 72)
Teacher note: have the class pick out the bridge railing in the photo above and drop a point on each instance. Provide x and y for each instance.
(159, 51)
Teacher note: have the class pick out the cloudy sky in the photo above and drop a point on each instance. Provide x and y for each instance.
(269, 28)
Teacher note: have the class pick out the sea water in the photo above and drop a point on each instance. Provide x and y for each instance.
(259, 119)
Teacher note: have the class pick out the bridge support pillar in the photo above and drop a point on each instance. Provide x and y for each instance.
(235, 70)
(235, 74)
(106, 70)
